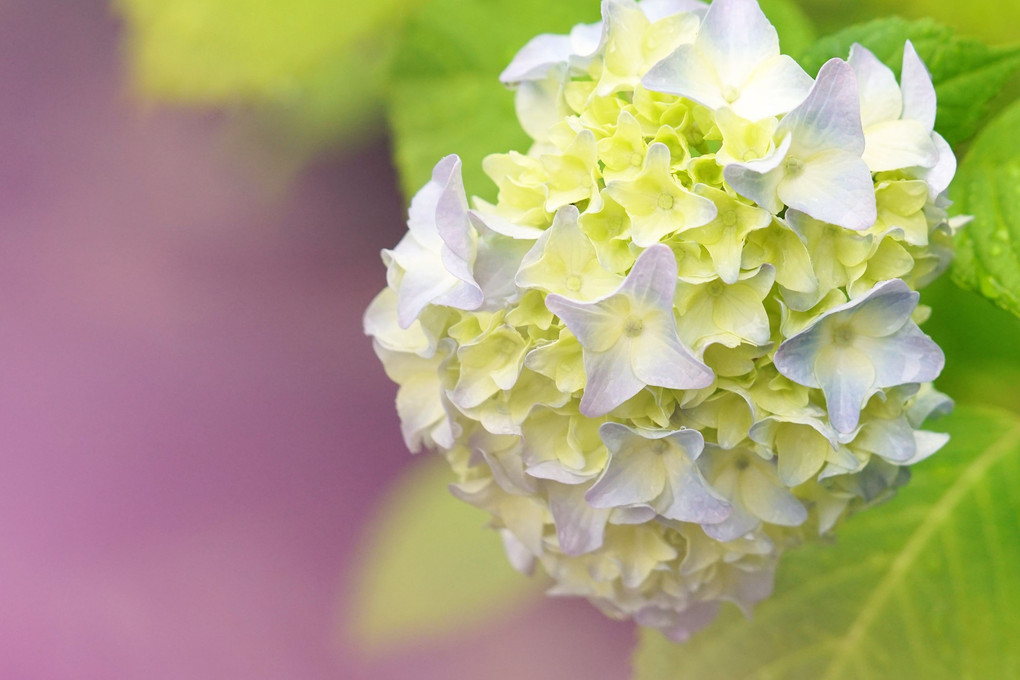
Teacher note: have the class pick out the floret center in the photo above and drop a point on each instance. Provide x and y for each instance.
(633, 327)
(794, 167)
(843, 335)
(666, 201)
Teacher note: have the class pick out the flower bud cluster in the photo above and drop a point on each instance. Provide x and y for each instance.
(685, 337)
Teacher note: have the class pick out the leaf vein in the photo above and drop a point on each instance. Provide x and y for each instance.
(913, 547)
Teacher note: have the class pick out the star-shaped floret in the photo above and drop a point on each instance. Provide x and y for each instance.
(656, 469)
(572, 171)
(901, 206)
(487, 365)
(744, 140)
(724, 236)
(754, 491)
(560, 361)
(856, 349)
(563, 261)
(781, 247)
(817, 167)
(433, 263)
(838, 255)
(629, 338)
(898, 124)
(639, 551)
(562, 447)
(728, 314)
(734, 62)
(623, 152)
(730, 412)
(803, 444)
(657, 204)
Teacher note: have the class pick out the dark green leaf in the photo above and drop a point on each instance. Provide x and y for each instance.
(987, 186)
(923, 587)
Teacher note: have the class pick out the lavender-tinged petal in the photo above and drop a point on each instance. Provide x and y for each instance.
(830, 117)
(847, 377)
(580, 527)
(610, 381)
(834, 187)
(906, 356)
(919, 102)
(690, 499)
(883, 310)
(537, 57)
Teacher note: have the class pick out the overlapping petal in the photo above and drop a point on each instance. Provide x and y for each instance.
(630, 338)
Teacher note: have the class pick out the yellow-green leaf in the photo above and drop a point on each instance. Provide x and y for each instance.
(430, 567)
(796, 31)
(322, 62)
(924, 586)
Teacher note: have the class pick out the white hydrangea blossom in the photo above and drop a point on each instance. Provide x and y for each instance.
(685, 337)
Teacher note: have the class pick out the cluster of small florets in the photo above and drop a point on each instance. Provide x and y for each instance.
(685, 337)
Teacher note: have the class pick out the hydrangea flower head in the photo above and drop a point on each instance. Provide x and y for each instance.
(684, 338)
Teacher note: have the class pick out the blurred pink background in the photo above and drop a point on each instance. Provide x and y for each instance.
(194, 430)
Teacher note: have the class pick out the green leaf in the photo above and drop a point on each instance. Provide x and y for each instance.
(796, 30)
(987, 186)
(967, 74)
(923, 587)
(981, 369)
(446, 96)
(430, 567)
(318, 63)
(989, 20)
